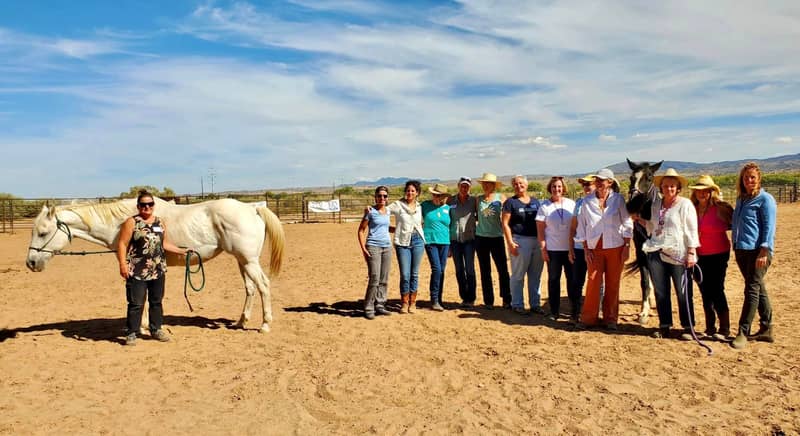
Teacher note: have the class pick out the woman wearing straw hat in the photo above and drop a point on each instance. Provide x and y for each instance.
(409, 243)
(713, 221)
(519, 227)
(604, 230)
(436, 226)
(671, 250)
(753, 245)
(489, 242)
(576, 255)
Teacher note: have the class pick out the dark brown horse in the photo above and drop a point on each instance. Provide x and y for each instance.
(641, 194)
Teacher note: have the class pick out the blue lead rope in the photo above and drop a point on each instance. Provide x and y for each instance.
(187, 278)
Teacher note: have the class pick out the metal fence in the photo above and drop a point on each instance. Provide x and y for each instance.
(18, 213)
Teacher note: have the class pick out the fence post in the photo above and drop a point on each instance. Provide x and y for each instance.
(11, 210)
(3, 214)
(278, 207)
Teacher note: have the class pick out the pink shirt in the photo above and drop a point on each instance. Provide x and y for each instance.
(713, 239)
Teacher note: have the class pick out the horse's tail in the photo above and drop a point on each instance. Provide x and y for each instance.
(277, 240)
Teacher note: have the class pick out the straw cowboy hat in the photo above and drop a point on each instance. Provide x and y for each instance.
(670, 173)
(586, 179)
(705, 182)
(490, 178)
(438, 189)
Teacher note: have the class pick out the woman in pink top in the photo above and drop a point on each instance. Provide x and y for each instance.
(713, 221)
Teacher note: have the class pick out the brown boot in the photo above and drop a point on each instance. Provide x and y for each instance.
(412, 303)
(404, 306)
(740, 341)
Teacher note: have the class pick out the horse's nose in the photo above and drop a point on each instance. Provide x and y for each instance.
(29, 263)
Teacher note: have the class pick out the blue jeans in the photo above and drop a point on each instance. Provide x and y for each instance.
(464, 260)
(528, 262)
(437, 256)
(409, 258)
(662, 273)
(559, 260)
(137, 291)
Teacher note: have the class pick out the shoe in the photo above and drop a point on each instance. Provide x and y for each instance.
(580, 326)
(382, 311)
(520, 310)
(467, 305)
(412, 302)
(552, 317)
(369, 315)
(405, 299)
(160, 335)
(721, 337)
(573, 320)
(686, 336)
(740, 341)
(437, 307)
(507, 306)
(488, 306)
(130, 339)
(661, 333)
(764, 335)
(538, 310)
(612, 326)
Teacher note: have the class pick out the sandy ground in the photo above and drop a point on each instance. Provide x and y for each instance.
(324, 369)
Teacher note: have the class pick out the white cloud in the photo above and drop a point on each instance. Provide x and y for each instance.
(390, 137)
(607, 138)
(783, 140)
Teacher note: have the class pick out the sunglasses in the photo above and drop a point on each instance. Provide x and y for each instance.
(144, 205)
(381, 196)
(586, 184)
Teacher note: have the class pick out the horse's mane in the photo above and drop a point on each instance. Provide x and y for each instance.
(105, 213)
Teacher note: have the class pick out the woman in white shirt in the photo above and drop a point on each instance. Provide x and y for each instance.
(671, 250)
(409, 243)
(604, 230)
(553, 221)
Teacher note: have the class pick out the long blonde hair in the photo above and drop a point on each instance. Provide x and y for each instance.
(724, 209)
(741, 190)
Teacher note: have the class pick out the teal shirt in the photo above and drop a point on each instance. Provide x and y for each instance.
(436, 223)
(489, 225)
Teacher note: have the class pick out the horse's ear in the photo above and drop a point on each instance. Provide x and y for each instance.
(655, 167)
(631, 164)
(51, 211)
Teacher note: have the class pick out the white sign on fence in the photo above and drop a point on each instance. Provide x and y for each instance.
(324, 206)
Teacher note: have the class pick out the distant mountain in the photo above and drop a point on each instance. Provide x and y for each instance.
(780, 164)
(391, 181)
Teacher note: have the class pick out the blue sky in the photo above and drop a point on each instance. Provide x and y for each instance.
(97, 96)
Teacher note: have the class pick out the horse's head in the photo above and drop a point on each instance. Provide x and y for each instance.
(642, 177)
(48, 236)
(641, 188)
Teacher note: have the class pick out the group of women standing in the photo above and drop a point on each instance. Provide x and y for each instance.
(590, 236)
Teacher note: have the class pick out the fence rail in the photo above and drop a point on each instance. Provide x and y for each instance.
(18, 213)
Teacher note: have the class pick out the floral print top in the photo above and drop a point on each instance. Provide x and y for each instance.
(146, 257)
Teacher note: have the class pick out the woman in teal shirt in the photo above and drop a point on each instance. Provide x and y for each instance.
(436, 226)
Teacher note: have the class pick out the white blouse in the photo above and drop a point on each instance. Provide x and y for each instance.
(612, 224)
(672, 231)
(406, 222)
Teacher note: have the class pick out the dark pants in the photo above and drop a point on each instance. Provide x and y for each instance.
(712, 288)
(755, 290)
(489, 249)
(579, 269)
(136, 292)
(662, 273)
(437, 257)
(464, 260)
(559, 260)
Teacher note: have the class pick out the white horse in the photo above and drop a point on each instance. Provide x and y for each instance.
(209, 228)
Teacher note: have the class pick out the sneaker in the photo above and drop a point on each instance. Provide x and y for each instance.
(721, 337)
(369, 315)
(520, 310)
(686, 336)
(538, 310)
(661, 333)
(467, 305)
(160, 335)
(130, 339)
(437, 307)
(382, 311)
(552, 317)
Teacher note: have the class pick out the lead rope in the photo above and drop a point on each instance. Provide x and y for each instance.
(685, 284)
(187, 278)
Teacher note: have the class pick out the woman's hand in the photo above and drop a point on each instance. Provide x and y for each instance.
(761, 260)
(589, 256)
(513, 248)
(571, 255)
(545, 256)
(123, 270)
(365, 253)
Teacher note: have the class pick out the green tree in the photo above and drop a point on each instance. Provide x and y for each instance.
(133, 192)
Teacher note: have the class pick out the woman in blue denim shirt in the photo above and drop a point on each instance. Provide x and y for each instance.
(753, 235)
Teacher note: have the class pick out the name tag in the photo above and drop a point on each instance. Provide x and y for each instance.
(522, 210)
(158, 229)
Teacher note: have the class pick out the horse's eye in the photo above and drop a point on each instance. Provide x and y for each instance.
(42, 234)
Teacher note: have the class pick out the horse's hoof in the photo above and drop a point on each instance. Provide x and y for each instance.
(264, 328)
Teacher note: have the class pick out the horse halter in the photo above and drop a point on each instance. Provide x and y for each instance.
(60, 226)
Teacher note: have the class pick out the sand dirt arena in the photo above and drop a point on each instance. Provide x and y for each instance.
(324, 369)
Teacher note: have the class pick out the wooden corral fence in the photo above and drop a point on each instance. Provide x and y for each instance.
(17, 214)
